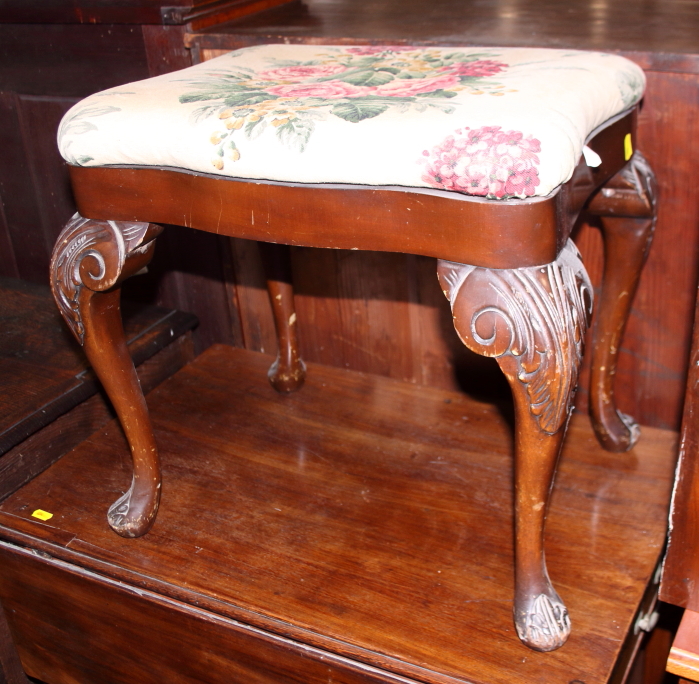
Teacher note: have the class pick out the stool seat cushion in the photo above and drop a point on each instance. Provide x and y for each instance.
(498, 123)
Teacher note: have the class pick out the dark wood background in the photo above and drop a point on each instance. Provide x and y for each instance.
(374, 312)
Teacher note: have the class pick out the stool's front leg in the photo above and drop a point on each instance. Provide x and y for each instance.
(90, 260)
(627, 205)
(533, 321)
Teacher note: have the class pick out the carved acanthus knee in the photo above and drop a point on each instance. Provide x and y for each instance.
(533, 321)
(96, 255)
(90, 260)
(627, 207)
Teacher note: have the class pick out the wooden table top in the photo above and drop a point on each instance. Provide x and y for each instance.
(43, 370)
(364, 516)
(663, 32)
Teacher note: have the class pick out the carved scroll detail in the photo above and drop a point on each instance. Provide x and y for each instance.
(533, 320)
(546, 624)
(92, 254)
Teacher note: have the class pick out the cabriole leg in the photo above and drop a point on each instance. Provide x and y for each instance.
(533, 321)
(288, 372)
(90, 260)
(627, 206)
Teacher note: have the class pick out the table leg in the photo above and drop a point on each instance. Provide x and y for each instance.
(90, 260)
(288, 371)
(627, 206)
(533, 321)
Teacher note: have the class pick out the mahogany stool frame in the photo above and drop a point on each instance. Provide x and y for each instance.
(517, 293)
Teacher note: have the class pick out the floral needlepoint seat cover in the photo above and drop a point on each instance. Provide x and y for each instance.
(497, 123)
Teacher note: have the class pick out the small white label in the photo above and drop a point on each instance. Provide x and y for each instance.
(591, 157)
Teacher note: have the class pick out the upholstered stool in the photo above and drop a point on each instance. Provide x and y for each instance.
(481, 157)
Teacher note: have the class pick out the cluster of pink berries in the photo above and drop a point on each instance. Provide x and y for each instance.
(486, 161)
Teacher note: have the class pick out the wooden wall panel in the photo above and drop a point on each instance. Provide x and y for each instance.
(165, 49)
(44, 71)
(8, 261)
(69, 60)
(20, 207)
(192, 271)
(39, 120)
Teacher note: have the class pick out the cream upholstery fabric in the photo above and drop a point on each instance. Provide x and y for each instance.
(497, 123)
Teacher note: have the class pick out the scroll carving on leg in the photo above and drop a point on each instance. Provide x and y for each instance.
(288, 372)
(533, 321)
(89, 262)
(627, 207)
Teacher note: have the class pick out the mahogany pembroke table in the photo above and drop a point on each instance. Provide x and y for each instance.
(480, 157)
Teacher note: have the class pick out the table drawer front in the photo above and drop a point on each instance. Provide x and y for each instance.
(75, 626)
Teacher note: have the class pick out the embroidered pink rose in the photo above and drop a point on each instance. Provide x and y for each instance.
(402, 87)
(478, 69)
(486, 161)
(324, 89)
(299, 73)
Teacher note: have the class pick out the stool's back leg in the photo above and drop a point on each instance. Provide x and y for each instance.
(90, 260)
(628, 209)
(533, 321)
(288, 371)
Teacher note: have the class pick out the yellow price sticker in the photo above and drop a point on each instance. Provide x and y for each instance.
(42, 515)
(628, 147)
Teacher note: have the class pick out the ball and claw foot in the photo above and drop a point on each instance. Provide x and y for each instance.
(130, 517)
(542, 621)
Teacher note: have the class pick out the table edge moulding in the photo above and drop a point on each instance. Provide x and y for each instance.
(516, 283)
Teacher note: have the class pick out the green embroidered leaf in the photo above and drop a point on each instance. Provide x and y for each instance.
(438, 93)
(447, 109)
(85, 160)
(471, 57)
(357, 111)
(248, 98)
(202, 96)
(390, 70)
(368, 78)
(230, 94)
(253, 129)
(82, 127)
(365, 62)
(411, 74)
(295, 133)
(378, 99)
(459, 57)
